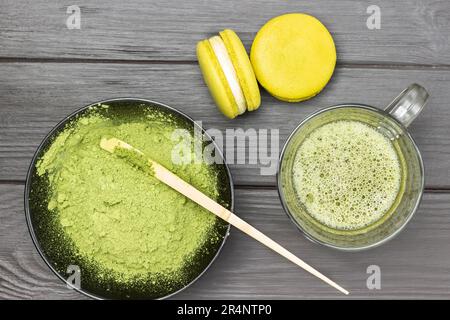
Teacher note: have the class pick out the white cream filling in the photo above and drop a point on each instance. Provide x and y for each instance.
(230, 73)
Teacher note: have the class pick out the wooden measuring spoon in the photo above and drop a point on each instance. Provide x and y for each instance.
(173, 181)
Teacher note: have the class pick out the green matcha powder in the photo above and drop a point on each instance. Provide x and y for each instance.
(117, 216)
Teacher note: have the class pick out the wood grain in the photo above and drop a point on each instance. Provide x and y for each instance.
(146, 49)
(412, 31)
(414, 265)
(35, 97)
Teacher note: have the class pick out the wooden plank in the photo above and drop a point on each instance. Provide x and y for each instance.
(412, 31)
(414, 265)
(36, 96)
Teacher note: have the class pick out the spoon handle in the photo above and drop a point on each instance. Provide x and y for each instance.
(172, 180)
(186, 189)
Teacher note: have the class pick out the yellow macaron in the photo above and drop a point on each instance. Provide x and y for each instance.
(293, 56)
(228, 73)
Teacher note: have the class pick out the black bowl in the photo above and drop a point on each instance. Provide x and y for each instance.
(58, 255)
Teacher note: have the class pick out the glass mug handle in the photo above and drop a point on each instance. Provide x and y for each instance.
(408, 104)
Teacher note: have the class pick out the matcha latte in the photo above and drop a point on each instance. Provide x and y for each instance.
(132, 235)
(347, 175)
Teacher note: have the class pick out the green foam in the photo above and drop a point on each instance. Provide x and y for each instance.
(347, 175)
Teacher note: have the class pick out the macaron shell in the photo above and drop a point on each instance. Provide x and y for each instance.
(243, 67)
(293, 56)
(215, 80)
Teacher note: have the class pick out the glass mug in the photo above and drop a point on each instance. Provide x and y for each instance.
(392, 123)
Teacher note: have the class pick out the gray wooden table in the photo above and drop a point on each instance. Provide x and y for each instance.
(146, 48)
